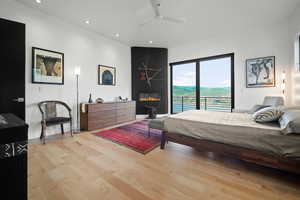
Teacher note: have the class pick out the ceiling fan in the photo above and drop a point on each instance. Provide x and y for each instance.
(156, 4)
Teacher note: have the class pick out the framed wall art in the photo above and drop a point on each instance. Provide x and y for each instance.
(106, 75)
(47, 67)
(260, 72)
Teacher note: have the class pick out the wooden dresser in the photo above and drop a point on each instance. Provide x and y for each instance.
(101, 115)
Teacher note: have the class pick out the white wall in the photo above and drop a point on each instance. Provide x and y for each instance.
(80, 47)
(294, 46)
(267, 41)
(89, 49)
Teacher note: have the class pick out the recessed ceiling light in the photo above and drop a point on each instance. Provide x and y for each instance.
(87, 21)
(150, 42)
(117, 35)
(38, 1)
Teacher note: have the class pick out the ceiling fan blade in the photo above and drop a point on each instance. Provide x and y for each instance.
(174, 20)
(148, 21)
(155, 5)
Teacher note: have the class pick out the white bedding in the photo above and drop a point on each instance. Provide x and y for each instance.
(236, 129)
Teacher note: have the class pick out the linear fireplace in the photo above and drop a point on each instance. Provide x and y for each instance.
(149, 97)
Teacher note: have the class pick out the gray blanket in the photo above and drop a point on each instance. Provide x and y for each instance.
(236, 129)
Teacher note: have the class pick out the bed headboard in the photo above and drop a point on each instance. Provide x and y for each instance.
(273, 101)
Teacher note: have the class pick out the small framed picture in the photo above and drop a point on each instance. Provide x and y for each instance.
(47, 67)
(260, 72)
(106, 75)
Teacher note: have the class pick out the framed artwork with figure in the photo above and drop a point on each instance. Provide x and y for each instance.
(47, 66)
(106, 75)
(260, 72)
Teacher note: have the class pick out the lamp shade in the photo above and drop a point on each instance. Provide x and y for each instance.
(283, 75)
(77, 71)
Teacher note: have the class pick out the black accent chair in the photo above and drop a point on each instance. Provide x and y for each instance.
(50, 118)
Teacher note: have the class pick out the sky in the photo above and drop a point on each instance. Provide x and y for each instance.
(213, 73)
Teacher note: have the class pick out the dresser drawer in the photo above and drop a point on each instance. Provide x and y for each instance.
(128, 114)
(124, 111)
(125, 105)
(101, 107)
(101, 115)
(92, 125)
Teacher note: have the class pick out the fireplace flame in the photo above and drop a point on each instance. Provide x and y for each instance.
(149, 99)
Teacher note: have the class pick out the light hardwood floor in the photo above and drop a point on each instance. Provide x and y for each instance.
(89, 167)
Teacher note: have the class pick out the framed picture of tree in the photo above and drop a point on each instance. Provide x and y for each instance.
(106, 75)
(260, 72)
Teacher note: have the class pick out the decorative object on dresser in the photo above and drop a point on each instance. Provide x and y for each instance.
(50, 118)
(106, 75)
(47, 66)
(90, 98)
(260, 72)
(120, 99)
(99, 100)
(96, 116)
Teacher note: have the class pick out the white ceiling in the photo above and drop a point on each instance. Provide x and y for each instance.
(204, 18)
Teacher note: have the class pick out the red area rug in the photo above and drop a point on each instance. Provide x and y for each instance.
(133, 136)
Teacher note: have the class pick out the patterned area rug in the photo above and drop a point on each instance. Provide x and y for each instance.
(133, 136)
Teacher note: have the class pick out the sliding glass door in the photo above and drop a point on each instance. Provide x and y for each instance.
(183, 87)
(215, 84)
(205, 83)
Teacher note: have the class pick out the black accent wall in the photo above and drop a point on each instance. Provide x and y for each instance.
(155, 62)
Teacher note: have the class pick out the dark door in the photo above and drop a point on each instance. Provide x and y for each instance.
(12, 68)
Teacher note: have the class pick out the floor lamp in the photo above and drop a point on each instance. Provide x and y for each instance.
(77, 73)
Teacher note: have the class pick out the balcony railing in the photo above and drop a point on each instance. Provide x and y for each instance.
(184, 103)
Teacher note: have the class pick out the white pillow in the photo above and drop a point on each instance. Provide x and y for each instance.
(269, 114)
(256, 108)
(290, 122)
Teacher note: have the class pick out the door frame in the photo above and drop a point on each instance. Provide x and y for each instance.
(197, 61)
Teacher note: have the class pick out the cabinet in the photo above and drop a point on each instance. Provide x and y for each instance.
(101, 115)
(13, 157)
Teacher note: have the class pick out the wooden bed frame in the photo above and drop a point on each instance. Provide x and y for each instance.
(244, 154)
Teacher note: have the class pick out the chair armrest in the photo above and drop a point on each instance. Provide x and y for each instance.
(41, 110)
(67, 107)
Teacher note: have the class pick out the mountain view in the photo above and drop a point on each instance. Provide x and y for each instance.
(189, 91)
(214, 81)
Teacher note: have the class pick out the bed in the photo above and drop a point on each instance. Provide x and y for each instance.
(236, 135)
